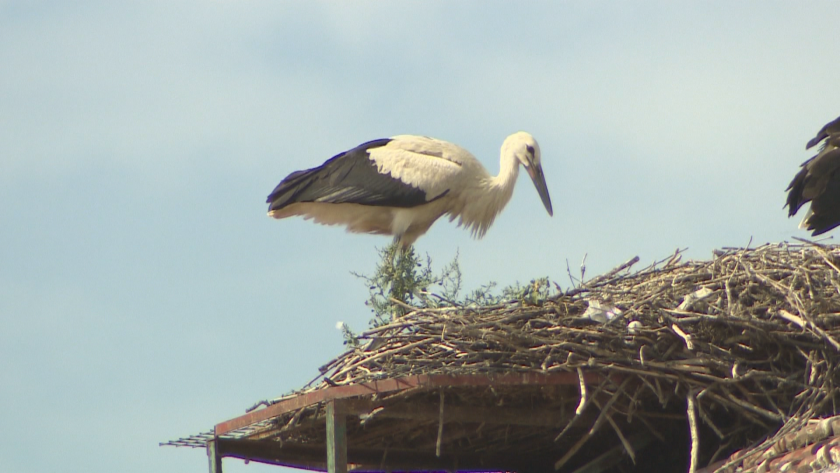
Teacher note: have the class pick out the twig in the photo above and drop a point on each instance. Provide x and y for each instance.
(582, 403)
(585, 405)
(404, 305)
(439, 442)
(609, 274)
(627, 446)
(708, 421)
(600, 420)
(571, 278)
(583, 267)
(688, 344)
(692, 427)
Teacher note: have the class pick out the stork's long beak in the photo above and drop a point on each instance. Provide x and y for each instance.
(538, 177)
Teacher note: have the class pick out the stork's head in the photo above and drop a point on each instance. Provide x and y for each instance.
(526, 150)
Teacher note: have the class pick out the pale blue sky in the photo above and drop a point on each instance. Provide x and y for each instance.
(145, 295)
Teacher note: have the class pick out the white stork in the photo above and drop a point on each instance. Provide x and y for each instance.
(399, 186)
(818, 182)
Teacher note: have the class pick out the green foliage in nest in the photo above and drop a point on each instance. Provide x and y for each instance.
(403, 280)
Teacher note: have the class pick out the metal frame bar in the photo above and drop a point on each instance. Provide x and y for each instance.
(399, 384)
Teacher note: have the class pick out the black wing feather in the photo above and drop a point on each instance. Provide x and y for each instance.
(818, 182)
(826, 209)
(349, 177)
(795, 200)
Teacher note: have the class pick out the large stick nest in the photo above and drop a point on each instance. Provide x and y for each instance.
(739, 345)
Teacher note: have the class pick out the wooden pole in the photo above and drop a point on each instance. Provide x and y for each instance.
(336, 438)
(214, 457)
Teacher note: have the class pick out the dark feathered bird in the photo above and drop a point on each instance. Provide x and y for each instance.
(818, 182)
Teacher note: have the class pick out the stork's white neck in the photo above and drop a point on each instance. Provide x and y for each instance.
(508, 172)
(501, 186)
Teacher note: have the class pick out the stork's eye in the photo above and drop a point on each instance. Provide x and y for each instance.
(531, 150)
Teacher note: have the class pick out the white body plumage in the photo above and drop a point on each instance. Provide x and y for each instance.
(402, 185)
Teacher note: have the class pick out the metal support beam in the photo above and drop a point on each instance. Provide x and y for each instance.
(336, 438)
(214, 457)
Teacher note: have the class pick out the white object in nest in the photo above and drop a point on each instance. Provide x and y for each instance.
(695, 296)
(601, 311)
(634, 327)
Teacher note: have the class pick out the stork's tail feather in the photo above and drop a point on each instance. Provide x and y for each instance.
(287, 191)
(795, 200)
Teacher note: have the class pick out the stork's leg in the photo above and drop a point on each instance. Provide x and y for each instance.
(396, 251)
